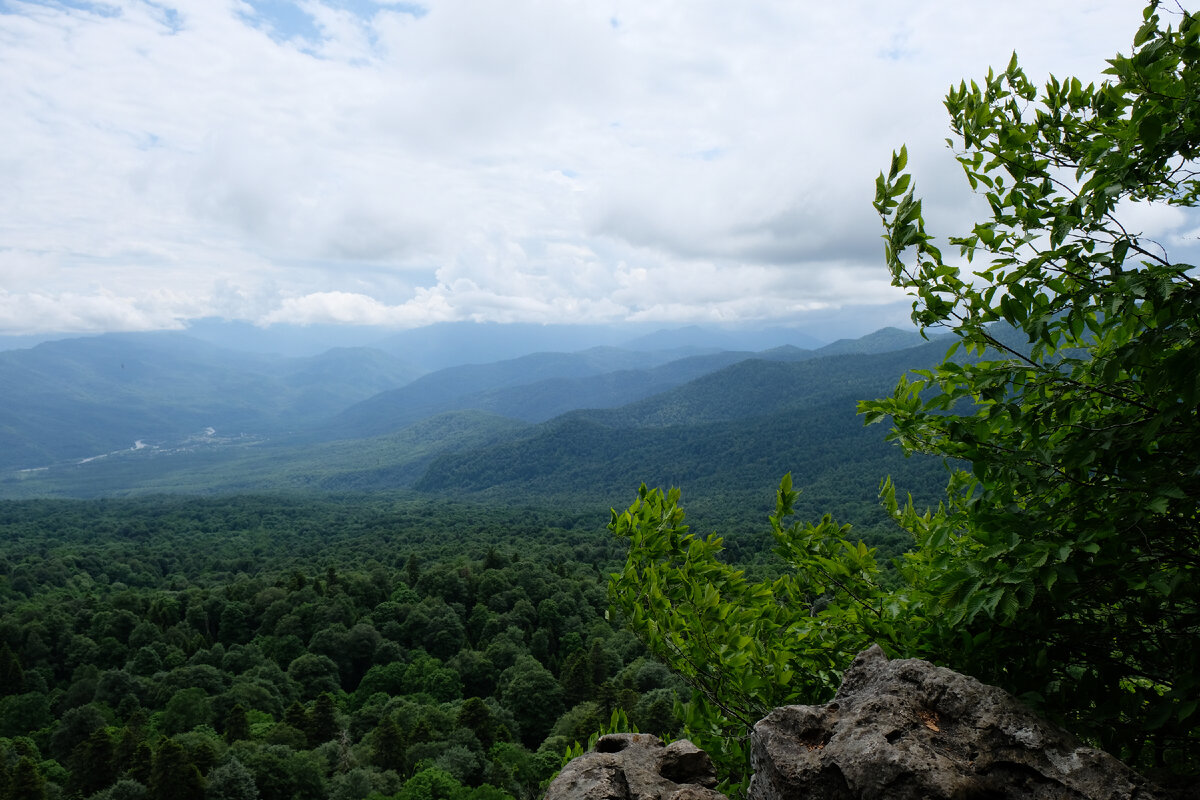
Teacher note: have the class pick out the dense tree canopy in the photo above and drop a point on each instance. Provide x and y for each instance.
(146, 656)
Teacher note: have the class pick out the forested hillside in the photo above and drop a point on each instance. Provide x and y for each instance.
(445, 431)
(532, 388)
(726, 438)
(322, 648)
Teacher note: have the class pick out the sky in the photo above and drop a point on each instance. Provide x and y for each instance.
(397, 164)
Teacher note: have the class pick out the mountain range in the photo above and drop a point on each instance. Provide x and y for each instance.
(167, 412)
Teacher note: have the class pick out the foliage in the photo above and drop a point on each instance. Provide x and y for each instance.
(173, 774)
(292, 637)
(746, 647)
(1065, 564)
(231, 781)
(533, 695)
(617, 723)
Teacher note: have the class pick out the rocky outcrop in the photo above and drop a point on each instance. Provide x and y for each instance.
(907, 730)
(896, 730)
(633, 766)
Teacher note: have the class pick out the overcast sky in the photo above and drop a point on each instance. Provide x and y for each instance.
(384, 163)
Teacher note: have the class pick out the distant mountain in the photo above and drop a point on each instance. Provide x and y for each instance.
(881, 341)
(731, 433)
(450, 344)
(24, 342)
(454, 343)
(80, 398)
(758, 386)
(543, 400)
(576, 425)
(536, 387)
(289, 341)
(331, 381)
(826, 448)
(752, 340)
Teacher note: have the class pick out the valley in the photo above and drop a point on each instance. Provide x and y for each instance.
(579, 428)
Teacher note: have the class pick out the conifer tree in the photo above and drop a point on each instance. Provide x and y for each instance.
(237, 725)
(323, 724)
(141, 764)
(174, 776)
(94, 763)
(577, 678)
(297, 717)
(475, 716)
(12, 677)
(125, 749)
(389, 746)
(27, 782)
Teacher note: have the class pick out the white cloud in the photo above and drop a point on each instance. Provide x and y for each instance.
(356, 309)
(32, 313)
(534, 160)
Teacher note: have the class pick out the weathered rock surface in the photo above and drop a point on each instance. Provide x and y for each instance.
(907, 730)
(633, 766)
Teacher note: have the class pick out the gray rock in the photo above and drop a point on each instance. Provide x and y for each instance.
(907, 730)
(634, 766)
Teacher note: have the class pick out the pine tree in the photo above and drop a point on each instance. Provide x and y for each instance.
(389, 746)
(12, 677)
(126, 749)
(174, 776)
(297, 716)
(323, 723)
(237, 725)
(141, 763)
(475, 716)
(598, 662)
(94, 763)
(28, 783)
(577, 678)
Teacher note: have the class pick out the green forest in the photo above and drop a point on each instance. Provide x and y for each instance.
(176, 648)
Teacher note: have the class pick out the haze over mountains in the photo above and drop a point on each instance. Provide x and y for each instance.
(135, 413)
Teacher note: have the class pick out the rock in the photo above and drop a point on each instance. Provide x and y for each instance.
(907, 730)
(634, 766)
(683, 762)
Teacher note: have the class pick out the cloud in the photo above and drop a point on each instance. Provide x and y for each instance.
(400, 164)
(32, 313)
(355, 309)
